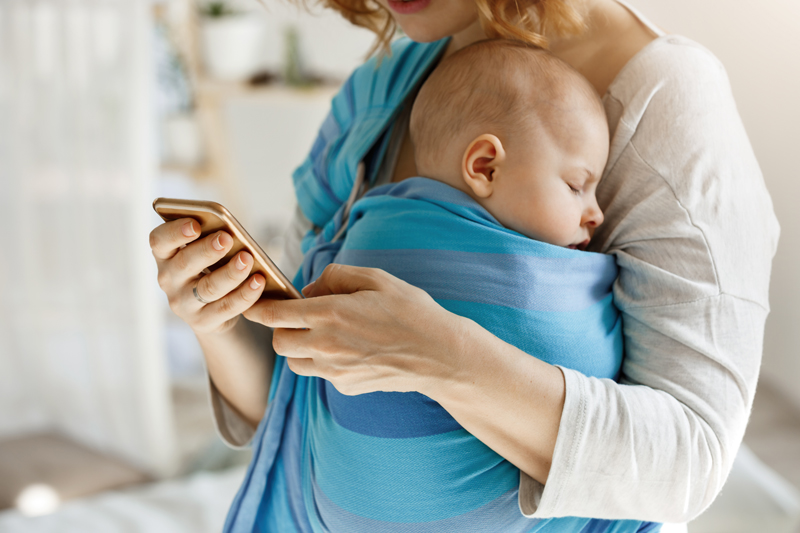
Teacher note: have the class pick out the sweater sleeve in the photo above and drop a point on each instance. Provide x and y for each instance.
(231, 427)
(691, 224)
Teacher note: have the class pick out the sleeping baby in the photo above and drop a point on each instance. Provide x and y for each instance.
(520, 132)
(510, 144)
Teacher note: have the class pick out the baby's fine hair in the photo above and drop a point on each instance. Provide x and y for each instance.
(496, 86)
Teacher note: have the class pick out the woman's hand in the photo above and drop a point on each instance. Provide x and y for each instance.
(180, 263)
(368, 331)
(364, 331)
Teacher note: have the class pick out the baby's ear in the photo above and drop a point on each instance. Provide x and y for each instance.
(479, 167)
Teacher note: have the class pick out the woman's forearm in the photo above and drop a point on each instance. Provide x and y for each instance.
(240, 369)
(509, 400)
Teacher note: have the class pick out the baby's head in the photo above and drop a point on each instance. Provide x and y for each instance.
(521, 132)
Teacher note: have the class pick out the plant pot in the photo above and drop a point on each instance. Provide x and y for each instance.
(231, 46)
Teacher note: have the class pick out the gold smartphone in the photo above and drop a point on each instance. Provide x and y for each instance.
(213, 217)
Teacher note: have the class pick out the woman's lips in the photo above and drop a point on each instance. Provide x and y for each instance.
(407, 8)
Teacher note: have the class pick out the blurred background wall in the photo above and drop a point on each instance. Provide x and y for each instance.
(80, 340)
(759, 44)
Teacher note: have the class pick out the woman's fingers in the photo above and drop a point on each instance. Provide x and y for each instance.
(227, 308)
(303, 367)
(342, 280)
(369, 331)
(329, 352)
(345, 279)
(166, 239)
(194, 258)
(228, 289)
(214, 286)
(287, 313)
(305, 352)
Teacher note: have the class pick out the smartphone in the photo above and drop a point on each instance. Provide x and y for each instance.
(213, 217)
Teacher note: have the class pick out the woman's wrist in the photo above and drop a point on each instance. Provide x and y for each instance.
(466, 350)
(492, 387)
(239, 368)
(221, 331)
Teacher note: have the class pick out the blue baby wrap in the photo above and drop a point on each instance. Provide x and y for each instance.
(398, 462)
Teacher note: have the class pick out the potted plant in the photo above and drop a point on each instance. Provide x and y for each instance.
(231, 40)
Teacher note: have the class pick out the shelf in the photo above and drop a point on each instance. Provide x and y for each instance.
(211, 103)
(207, 87)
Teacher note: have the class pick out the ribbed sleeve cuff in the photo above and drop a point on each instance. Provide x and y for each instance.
(543, 501)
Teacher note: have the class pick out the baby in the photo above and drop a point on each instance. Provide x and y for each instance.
(529, 148)
(519, 131)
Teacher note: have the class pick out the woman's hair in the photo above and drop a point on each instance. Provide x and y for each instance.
(524, 20)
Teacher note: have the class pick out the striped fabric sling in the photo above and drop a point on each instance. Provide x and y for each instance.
(398, 462)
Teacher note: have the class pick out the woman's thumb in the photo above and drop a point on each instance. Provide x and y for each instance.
(343, 279)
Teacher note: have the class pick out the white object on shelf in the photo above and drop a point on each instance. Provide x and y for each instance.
(231, 45)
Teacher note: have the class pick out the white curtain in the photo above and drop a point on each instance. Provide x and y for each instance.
(80, 323)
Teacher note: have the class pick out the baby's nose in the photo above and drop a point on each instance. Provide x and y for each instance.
(593, 216)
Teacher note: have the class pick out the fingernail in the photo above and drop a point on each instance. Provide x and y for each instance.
(188, 229)
(254, 284)
(217, 244)
(241, 265)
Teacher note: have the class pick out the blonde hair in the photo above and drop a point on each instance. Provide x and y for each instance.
(528, 21)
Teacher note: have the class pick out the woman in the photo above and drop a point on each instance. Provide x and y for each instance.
(688, 219)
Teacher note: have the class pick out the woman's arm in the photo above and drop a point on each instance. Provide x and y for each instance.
(416, 345)
(240, 370)
(235, 429)
(659, 450)
(237, 367)
(501, 375)
(692, 226)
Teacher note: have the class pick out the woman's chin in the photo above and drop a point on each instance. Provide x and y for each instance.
(426, 21)
(424, 37)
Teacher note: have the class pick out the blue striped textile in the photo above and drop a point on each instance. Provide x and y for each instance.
(382, 459)
(398, 462)
(362, 111)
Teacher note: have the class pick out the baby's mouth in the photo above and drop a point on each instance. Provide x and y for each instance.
(580, 246)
